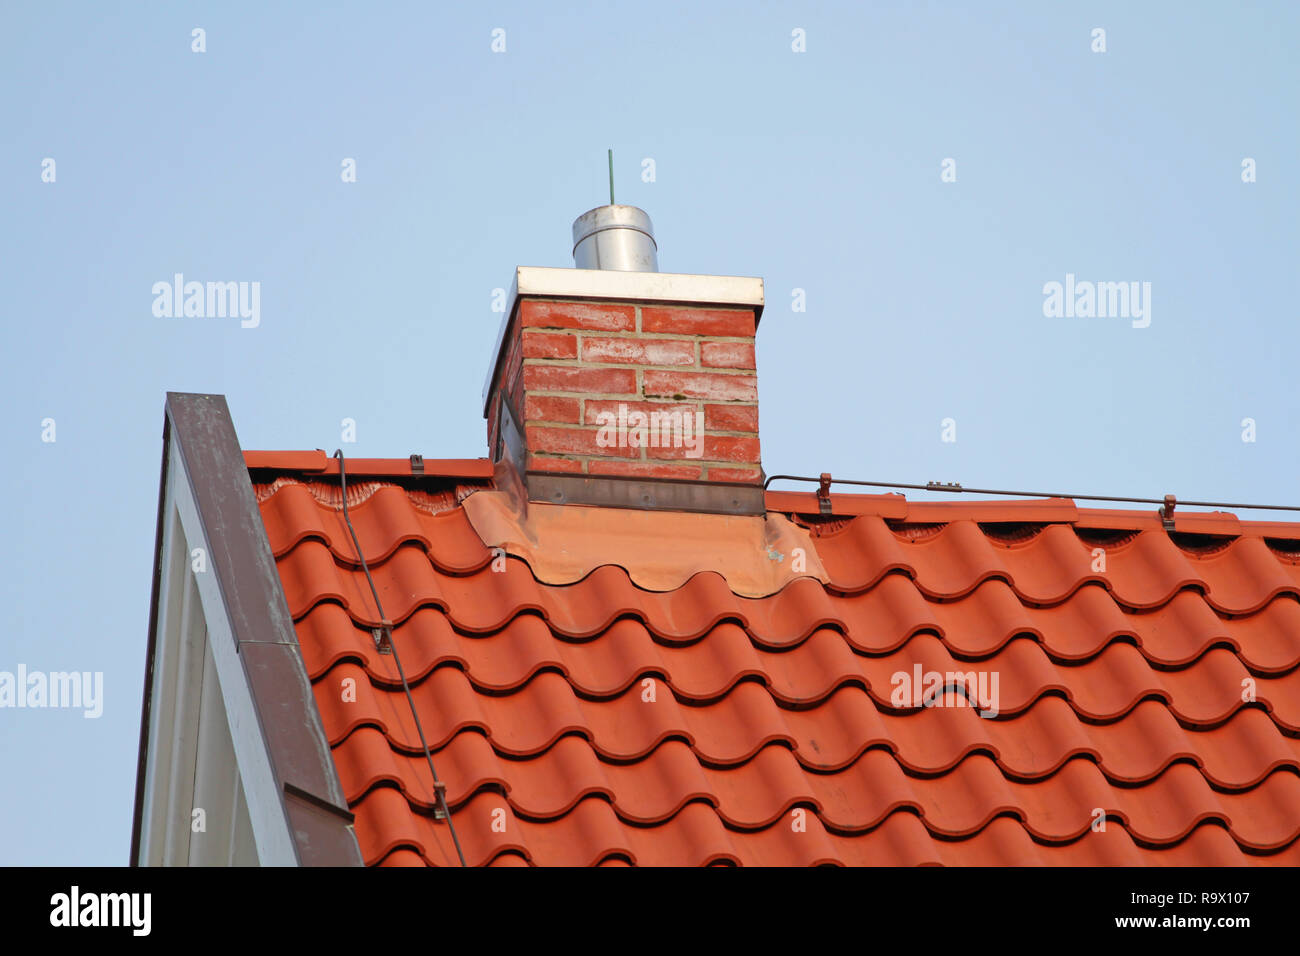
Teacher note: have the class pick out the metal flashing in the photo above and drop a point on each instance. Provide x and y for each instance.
(252, 638)
(616, 491)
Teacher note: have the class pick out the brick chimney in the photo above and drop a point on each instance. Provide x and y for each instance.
(628, 388)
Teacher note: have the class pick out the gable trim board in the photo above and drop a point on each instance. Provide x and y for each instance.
(295, 804)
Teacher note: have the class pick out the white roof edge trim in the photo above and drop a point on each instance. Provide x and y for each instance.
(266, 811)
(661, 286)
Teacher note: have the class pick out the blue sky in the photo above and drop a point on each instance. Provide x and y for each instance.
(817, 170)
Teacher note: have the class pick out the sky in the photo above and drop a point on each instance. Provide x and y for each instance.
(913, 173)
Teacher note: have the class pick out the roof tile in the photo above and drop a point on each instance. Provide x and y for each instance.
(595, 722)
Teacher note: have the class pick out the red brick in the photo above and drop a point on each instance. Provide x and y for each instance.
(726, 448)
(546, 463)
(516, 397)
(731, 418)
(724, 354)
(643, 469)
(572, 441)
(595, 407)
(746, 475)
(493, 422)
(697, 321)
(707, 385)
(511, 367)
(568, 378)
(577, 315)
(550, 345)
(639, 351)
(512, 355)
(545, 408)
(716, 448)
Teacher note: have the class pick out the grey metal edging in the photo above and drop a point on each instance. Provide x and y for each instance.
(646, 494)
(262, 627)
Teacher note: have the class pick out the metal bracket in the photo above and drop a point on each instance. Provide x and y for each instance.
(383, 639)
(1167, 512)
(943, 486)
(824, 493)
(417, 464)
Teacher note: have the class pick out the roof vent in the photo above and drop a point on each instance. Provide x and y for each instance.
(616, 238)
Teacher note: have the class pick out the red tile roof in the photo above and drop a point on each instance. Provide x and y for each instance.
(1162, 691)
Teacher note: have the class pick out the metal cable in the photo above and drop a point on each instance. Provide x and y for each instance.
(438, 786)
(956, 487)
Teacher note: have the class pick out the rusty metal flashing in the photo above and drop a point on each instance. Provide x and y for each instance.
(310, 794)
(615, 491)
(314, 464)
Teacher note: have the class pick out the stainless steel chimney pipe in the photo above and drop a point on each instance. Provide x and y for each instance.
(618, 238)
